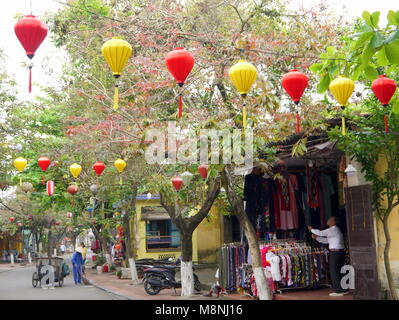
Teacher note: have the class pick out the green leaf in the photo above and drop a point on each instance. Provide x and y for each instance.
(393, 37)
(362, 39)
(377, 40)
(375, 18)
(367, 54)
(356, 73)
(392, 52)
(395, 106)
(370, 73)
(323, 84)
(382, 58)
(393, 18)
(316, 67)
(367, 18)
(331, 50)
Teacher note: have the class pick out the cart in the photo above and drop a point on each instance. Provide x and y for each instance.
(56, 262)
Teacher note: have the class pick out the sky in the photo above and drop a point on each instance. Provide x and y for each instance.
(48, 59)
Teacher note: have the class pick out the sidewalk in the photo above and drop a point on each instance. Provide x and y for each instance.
(4, 267)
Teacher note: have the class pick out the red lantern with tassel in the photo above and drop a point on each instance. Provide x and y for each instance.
(50, 187)
(180, 62)
(384, 89)
(203, 171)
(177, 183)
(99, 167)
(44, 163)
(12, 219)
(31, 32)
(295, 83)
(72, 189)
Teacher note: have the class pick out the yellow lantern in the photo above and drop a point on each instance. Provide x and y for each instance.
(243, 75)
(20, 163)
(75, 170)
(342, 88)
(116, 52)
(120, 165)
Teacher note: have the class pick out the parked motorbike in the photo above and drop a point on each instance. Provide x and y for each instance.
(163, 277)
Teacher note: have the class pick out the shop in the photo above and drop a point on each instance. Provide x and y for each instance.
(281, 202)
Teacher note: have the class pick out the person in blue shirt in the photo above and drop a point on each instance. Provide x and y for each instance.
(77, 263)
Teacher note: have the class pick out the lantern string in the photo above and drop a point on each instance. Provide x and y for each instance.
(116, 97)
(386, 125)
(30, 79)
(180, 106)
(298, 122)
(244, 114)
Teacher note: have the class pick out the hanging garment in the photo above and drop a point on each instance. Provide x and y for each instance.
(328, 191)
(313, 187)
(286, 188)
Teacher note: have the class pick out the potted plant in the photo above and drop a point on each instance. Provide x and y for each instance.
(119, 274)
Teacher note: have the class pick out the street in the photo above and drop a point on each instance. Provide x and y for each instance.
(17, 285)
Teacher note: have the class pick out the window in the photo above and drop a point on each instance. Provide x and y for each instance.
(162, 235)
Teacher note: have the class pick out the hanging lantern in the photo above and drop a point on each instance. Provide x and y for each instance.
(75, 170)
(30, 32)
(20, 163)
(30, 216)
(180, 62)
(203, 171)
(243, 74)
(187, 177)
(117, 246)
(120, 165)
(384, 89)
(72, 189)
(50, 187)
(57, 223)
(19, 224)
(12, 219)
(342, 88)
(94, 189)
(295, 83)
(44, 163)
(116, 52)
(69, 215)
(177, 183)
(27, 187)
(99, 167)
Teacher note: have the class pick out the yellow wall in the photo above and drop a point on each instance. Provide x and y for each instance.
(394, 232)
(206, 238)
(15, 244)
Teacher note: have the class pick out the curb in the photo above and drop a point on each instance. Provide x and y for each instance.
(111, 291)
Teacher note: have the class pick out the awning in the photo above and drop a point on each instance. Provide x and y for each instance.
(154, 213)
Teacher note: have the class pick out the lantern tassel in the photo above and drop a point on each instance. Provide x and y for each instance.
(343, 126)
(120, 180)
(244, 116)
(30, 80)
(20, 181)
(180, 106)
(116, 98)
(43, 180)
(386, 123)
(298, 123)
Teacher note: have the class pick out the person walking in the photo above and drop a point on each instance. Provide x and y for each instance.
(62, 248)
(84, 253)
(335, 240)
(77, 263)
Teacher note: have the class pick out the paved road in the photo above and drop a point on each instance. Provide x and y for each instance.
(17, 285)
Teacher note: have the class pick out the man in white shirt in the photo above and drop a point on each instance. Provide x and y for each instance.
(335, 240)
(62, 248)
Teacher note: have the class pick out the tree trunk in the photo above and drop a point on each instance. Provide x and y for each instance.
(387, 262)
(49, 244)
(186, 265)
(127, 236)
(238, 208)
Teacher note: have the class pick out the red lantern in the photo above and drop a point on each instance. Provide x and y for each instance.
(31, 32)
(117, 246)
(99, 167)
(19, 224)
(295, 83)
(177, 183)
(203, 171)
(50, 187)
(69, 215)
(44, 163)
(57, 223)
(384, 89)
(72, 189)
(180, 62)
(12, 219)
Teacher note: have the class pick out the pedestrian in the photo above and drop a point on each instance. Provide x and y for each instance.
(84, 253)
(62, 248)
(77, 263)
(335, 240)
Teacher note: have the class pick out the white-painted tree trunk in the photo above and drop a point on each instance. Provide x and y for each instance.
(55, 251)
(261, 284)
(133, 271)
(108, 258)
(187, 278)
(12, 259)
(29, 258)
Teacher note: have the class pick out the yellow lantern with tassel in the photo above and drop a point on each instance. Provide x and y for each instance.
(116, 52)
(20, 163)
(120, 165)
(342, 88)
(243, 75)
(75, 170)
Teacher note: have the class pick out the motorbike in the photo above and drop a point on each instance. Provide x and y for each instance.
(157, 278)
